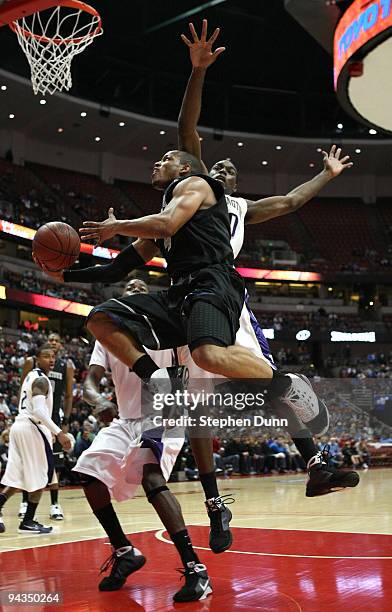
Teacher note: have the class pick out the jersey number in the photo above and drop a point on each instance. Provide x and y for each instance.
(24, 398)
(233, 223)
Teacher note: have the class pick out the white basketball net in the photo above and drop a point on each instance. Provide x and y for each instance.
(50, 40)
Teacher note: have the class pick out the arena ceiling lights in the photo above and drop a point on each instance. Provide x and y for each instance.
(362, 62)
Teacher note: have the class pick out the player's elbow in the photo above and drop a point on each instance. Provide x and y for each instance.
(290, 203)
(167, 229)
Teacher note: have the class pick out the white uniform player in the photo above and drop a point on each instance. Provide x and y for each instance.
(118, 453)
(249, 335)
(30, 459)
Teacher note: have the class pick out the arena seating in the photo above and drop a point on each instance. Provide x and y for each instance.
(316, 230)
(327, 222)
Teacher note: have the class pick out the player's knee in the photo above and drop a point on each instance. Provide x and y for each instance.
(206, 356)
(86, 480)
(96, 322)
(152, 478)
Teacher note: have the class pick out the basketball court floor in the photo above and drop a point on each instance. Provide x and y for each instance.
(289, 554)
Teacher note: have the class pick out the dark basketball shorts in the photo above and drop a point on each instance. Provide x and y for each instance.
(58, 455)
(203, 307)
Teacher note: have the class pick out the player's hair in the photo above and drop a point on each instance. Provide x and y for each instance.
(44, 347)
(188, 158)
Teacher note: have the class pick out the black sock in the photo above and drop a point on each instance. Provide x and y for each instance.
(30, 512)
(209, 484)
(109, 521)
(54, 496)
(144, 367)
(3, 499)
(279, 385)
(305, 444)
(182, 542)
(25, 497)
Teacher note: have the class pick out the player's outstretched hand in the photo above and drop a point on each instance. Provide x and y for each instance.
(333, 163)
(64, 440)
(200, 49)
(99, 232)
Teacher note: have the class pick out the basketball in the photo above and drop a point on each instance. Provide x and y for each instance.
(56, 245)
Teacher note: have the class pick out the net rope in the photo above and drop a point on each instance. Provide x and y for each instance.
(50, 40)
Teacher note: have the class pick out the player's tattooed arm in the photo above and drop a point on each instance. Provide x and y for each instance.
(40, 389)
(276, 206)
(103, 408)
(201, 56)
(188, 196)
(40, 386)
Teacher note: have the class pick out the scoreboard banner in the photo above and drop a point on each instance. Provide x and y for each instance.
(362, 21)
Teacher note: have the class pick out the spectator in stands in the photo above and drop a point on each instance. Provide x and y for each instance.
(224, 462)
(350, 454)
(363, 451)
(336, 456)
(279, 452)
(297, 464)
(191, 471)
(4, 443)
(4, 406)
(83, 440)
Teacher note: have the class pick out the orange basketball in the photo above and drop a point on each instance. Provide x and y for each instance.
(56, 245)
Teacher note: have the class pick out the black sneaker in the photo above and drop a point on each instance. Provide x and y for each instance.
(124, 562)
(304, 402)
(325, 479)
(2, 526)
(197, 583)
(33, 527)
(220, 516)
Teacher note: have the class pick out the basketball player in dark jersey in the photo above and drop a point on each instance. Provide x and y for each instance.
(61, 378)
(201, 308)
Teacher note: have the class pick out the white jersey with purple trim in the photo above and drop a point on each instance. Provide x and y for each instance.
(237, 208)
(25, 408)
(250, 331)
(127, 384)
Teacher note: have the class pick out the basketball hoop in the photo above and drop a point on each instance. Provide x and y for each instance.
(51, 34)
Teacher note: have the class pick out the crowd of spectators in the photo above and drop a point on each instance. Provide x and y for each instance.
(320, 320)
(242, 452)
(248, 455)
(368, 260)
(30, 281)
(31, 207)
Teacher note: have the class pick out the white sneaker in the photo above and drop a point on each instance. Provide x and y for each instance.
(56, 512)
(22, 510)
(306, 405)
(2, 526)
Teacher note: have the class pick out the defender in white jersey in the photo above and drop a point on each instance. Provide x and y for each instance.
(119, 452)
(132, 451)
(30, 465)
(322, 478)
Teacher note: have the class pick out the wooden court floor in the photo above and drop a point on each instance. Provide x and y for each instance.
(290, 553)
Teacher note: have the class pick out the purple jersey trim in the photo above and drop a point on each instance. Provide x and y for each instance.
(262, 340)
(152, 439)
